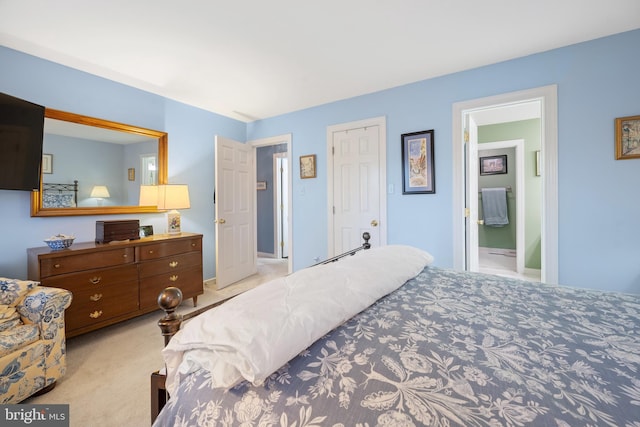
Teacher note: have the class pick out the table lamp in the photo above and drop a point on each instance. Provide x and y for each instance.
(100, 192)
(148, 195)
(173, 197)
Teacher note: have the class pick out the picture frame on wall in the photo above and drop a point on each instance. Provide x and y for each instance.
(493, 165)
(261, 185)
(418, 164)
(628, 138)
(308, 166)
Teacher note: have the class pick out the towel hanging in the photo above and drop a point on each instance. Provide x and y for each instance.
(494, 207)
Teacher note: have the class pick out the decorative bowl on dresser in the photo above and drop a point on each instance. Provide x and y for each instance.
(120, 280)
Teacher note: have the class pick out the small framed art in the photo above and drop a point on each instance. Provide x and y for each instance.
(261, 185)
(131, 174)
(493, 165)
(308, 166)
(628, 138)
(418, 165)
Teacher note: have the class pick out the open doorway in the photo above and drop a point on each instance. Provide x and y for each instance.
(273, 201)
(468, 117)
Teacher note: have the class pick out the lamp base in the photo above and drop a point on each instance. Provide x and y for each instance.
(173, 222)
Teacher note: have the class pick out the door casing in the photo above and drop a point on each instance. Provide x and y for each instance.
(547, 95)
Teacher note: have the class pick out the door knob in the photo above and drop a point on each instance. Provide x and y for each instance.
(220, 221)
(481, 222)
(374, 223)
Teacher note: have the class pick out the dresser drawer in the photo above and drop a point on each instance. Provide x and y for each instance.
(79, 262)
(188, 280)
(91, 307)
(93, 280)
(169, 264)
(168, 248)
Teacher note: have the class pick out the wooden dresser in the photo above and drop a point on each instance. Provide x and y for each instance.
(113, 282)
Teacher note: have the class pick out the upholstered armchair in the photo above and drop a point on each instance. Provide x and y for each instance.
(32, 339)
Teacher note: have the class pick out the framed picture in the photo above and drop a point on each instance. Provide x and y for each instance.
(146, 230)
(131, 174)
(628, 138)
(47, 163)
(418, 165)
(493, 165)
(261, 185)
(308, 166)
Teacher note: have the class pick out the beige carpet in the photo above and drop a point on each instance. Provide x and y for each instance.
(107, 379)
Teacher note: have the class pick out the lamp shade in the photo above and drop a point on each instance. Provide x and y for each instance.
(174, 196)
(100, 191)
(148, 195)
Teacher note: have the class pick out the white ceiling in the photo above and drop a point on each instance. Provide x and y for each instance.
(251, 59)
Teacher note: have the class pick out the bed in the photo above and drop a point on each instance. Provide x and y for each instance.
(59, 195)
(407, 344)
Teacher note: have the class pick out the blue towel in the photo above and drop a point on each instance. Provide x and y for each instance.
(494, 207)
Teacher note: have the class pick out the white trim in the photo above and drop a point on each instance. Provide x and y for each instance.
(275, 140)
(381, 122)
(547, 95)
(277, 214)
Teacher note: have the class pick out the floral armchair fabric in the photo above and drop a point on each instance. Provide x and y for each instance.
(32, 339)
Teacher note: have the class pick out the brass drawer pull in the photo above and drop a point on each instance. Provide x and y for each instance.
(125, 255)
(56, 265)
(151, 251)
(193, 245)
(95, 297)
(173, 264)
(173, 278)
(95, 280)
(95, 314)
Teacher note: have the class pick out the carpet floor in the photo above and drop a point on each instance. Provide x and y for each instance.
(107, 381)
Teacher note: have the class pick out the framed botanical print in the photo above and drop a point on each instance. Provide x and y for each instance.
(308, 166)
(628, 138)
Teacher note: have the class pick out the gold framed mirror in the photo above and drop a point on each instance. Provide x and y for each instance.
(72, 185)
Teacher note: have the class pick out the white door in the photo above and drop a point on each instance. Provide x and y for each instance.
(236, 253)
(357, 187)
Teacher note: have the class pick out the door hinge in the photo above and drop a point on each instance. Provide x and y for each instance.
(467, 212)
(466, 135)
(333, 150)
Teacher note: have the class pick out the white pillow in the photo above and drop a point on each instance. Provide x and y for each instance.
(257, 332)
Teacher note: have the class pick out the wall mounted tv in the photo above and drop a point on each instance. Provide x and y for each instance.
(21, 129)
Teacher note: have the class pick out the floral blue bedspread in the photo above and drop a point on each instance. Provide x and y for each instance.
(449, 349)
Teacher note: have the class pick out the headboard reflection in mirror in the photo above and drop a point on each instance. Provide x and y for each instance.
(91, 152)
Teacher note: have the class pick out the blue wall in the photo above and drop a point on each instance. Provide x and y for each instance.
(599, 198)
(191, 143)
(598, 206)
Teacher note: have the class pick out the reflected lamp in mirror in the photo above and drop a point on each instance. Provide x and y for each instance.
(173, 197)
(100, 192)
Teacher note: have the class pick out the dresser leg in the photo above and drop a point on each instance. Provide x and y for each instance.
(195, 301)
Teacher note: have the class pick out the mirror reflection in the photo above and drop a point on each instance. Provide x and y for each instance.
(92, 166)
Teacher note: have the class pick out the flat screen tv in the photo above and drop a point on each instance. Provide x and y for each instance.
(21, 129)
